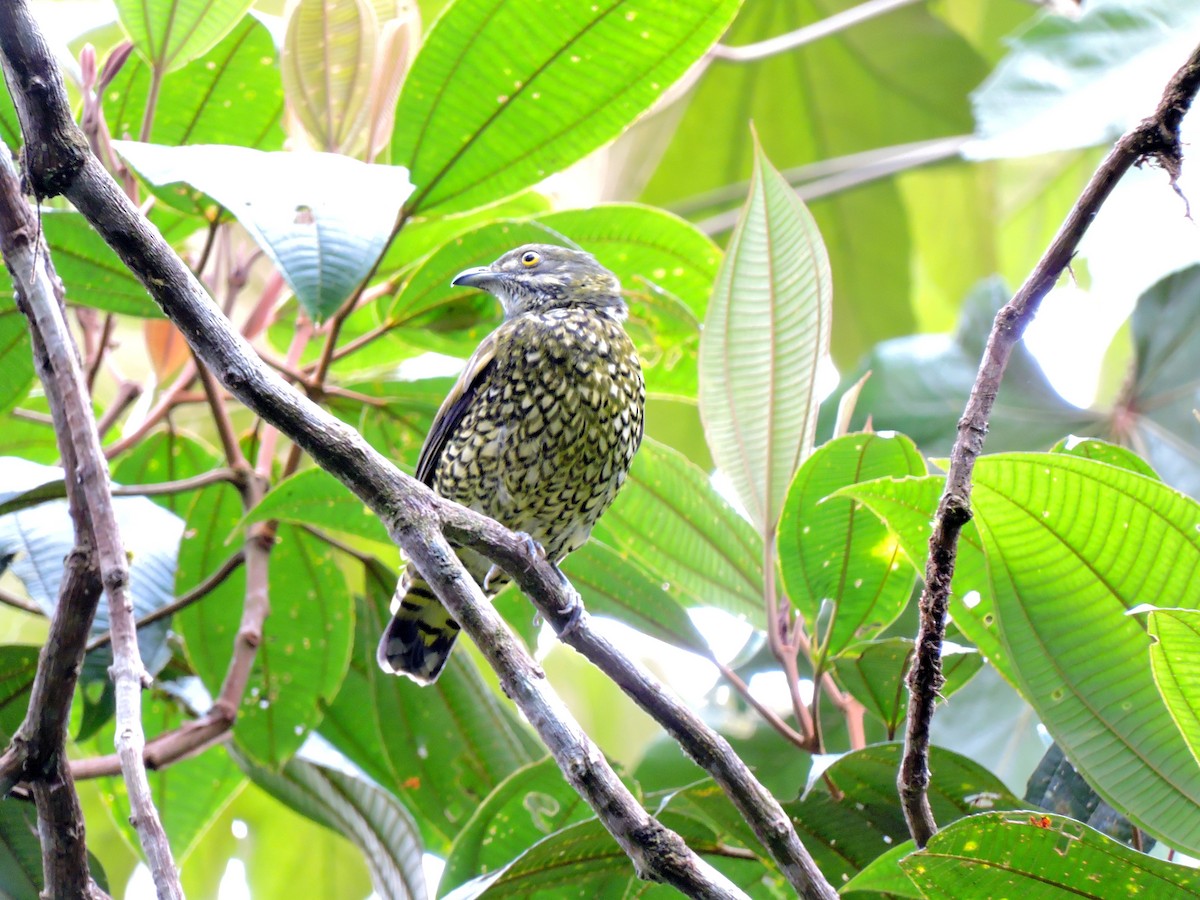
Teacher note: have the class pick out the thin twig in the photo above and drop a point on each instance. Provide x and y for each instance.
(848, 18)
(1154, 139)
(10, 599)
(127, 394)
(231, 564)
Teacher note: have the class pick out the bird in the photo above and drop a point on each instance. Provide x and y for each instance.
(538, 432)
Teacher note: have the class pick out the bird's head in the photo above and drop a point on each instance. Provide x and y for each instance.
(543, 276)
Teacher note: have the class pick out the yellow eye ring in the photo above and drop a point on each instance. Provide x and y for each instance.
(529, 259)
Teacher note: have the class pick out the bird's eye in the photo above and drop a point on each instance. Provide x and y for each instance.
(529, 259)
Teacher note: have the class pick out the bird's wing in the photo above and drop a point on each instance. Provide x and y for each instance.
(455, 406)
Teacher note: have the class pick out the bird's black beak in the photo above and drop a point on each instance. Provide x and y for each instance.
(478, 277)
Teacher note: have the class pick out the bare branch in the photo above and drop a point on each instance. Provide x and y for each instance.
(97, 531)
(1155, 139)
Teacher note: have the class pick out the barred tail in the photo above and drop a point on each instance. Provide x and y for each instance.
(418, 640)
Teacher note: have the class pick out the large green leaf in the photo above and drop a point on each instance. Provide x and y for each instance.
(1069, 83)
(1156, 415)
(306, 639)
(314, 497)
(323, 219)
(1174, 658)
(441, 749)
(905, 76)
(171, 33)
(874, 673)
(10, 126)
(1041, 857)
(528, 805)
(503, 94)
(846, 834)
(615, 585)
(766, 334)
(833, 551)
(328, 58)
(671, 521)
(907, 506)
(371, 818)
(584, 857)
(231, 95)
(91, 272)
(1072, 545)
(167, 456)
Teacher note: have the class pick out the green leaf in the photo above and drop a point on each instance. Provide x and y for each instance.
(16, 354)
(10, 125)
(919, 386)
(21, 854)
(231, 95)
(1036, 855)
(1102, 451)
(483, 115)
(167, 456)
(1072, 546)
(585, 857)
(428, 297)
(314, 497)
(306, 639)
(371, 818)
(328, 58)
(765, 335)
(323, 219)
(874, 673)
(614, 585)
(91, 272)
(1173, 658)
(440, 749)
(18, 666)
(846, 834)
(1074, 83)
(907, 506)
(1057, 786)
(1162, 395)
(670, 520)
(528, 805)
(170, 33)
(832, 551)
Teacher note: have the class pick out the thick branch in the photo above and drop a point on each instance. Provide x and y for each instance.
(60, 831)
(1155, 139)
(63, 165)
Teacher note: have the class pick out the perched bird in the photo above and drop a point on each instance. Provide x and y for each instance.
(538, 432)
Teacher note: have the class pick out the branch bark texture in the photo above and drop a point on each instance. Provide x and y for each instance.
(415, 517)
(1154, 139)
(91, 502)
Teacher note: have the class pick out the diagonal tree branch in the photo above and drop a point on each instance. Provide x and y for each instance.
(60, 163)
(1155, 139)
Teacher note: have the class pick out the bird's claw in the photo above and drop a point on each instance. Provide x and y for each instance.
(494, 572)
